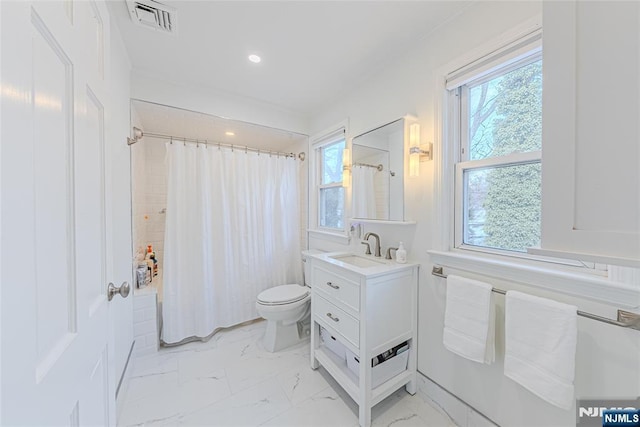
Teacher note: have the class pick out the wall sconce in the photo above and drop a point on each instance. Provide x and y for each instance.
(417, 152)
(346, 167)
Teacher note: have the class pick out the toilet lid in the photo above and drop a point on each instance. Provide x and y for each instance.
(283, 294)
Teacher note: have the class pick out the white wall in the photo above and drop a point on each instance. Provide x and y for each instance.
(607, 358)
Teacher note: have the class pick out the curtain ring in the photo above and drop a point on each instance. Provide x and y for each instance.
(232, 148)
(246, 149)
(218, 146)
(184, 141)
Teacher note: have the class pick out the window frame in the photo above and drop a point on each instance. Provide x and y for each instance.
(616, 286)
(456, 99)
(331, 135)
(461, 142)
(516, 159)
(336, 184)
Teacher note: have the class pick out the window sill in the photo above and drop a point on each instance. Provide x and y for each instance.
(335, 237)
(582, 285)
(602, 259)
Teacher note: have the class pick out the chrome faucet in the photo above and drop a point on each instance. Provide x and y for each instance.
(366, 237)
(389, 253)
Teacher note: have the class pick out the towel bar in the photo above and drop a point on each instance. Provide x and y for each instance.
(626, 319)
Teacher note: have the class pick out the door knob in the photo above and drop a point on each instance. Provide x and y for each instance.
(123, 290)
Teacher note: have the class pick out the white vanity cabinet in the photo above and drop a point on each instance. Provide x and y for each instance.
(369, 310)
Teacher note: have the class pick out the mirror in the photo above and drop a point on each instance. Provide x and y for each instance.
(377, 173)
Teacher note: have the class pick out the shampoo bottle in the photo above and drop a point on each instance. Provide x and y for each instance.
(401, 254)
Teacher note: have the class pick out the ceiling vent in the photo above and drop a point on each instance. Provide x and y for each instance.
(154, 15)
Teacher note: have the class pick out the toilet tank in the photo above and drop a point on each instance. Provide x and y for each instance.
(307, 265)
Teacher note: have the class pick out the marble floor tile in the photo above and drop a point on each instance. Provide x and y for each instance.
(153, 398)
(195, 364)
(163, 402)
(323, 409)
(169, 421)
(144, 385)
(202, 391)
(248, 372)
(250, 407)
(403, 410)
(159, 363)
(233, 381)
(302, 382)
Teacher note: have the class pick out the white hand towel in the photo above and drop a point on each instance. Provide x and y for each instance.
(540, 341)
(469, 319)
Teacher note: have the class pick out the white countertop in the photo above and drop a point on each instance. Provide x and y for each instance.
(382, 266)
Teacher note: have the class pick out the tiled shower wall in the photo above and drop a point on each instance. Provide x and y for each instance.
(149, 196)
(138, 196)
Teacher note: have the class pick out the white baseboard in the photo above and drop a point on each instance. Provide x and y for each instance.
(451, 406)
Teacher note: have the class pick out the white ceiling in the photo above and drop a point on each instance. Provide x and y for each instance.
(176, 122)
(312, 51)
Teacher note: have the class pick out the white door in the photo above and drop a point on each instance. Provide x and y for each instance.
(119, 267)
(55, 363)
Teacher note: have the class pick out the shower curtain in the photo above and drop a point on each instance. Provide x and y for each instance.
(232, 231)
(364, 193)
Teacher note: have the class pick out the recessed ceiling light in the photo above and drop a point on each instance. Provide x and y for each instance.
(229, 133)
(254, 58)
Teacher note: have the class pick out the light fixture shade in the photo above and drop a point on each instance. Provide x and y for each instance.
(346, 167)
(414, 149)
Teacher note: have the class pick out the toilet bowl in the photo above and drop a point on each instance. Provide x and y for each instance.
(287, 310)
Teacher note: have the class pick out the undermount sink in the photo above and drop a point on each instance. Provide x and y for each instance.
(358, 261)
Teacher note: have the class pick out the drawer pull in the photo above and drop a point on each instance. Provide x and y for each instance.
(335, 319)
(333, 286)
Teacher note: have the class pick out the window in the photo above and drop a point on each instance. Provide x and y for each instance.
(498, 129)
(330, 190)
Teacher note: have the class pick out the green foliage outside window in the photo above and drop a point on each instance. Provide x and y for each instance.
(332, 198)
(503, 203)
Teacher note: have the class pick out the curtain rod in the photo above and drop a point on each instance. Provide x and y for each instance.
(244, 148)
(367, 165)
(626, 319)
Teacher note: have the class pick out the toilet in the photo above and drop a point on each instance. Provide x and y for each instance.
(287, 310)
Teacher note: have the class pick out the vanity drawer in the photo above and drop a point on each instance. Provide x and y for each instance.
(337, 287)
(337, 319)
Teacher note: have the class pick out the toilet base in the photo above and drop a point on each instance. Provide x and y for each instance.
(279, 335)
